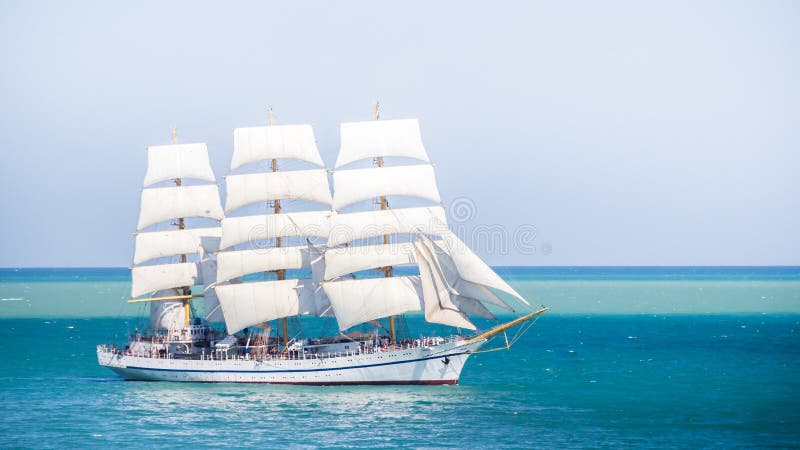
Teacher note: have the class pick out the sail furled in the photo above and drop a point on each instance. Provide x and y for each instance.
(358, 301)
(351, 186)
(361, 140)
(343, 260)
(368, 224)
(248, 304)
(251, 144)
(234, 264)
(160, 244)
(238, 230)
(311, 185)
(167, 203)
(168, 162)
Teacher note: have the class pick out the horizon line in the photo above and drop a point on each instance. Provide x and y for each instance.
(500, 265)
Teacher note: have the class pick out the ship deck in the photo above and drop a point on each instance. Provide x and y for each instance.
(269, 353)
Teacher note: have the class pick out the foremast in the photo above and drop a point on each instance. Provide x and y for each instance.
(281, 273)
(169, 284)
(187, 290)
(384, 205)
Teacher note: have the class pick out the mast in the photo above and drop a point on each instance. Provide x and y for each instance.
(167, 281)
(246, 304)
(181, 225)
(359, 301)
(278, 241)
(387, 271)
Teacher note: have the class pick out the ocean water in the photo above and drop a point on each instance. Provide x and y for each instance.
(667, 373)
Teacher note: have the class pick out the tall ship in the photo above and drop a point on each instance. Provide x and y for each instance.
(294, 283)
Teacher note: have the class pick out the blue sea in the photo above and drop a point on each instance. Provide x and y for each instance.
(626, 357)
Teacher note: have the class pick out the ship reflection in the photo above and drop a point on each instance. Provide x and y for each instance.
(176, 402)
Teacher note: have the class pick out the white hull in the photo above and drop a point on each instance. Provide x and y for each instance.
(439, 364)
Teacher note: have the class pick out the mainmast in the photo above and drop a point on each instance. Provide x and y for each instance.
(247, 303)
(384, 205)
(186, 290)
(278, 241)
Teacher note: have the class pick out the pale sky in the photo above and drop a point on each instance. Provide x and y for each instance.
(626, 133)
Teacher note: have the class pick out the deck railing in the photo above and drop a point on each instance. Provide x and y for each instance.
(260, 353)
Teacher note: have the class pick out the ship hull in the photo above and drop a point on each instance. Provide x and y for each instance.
(441, 364)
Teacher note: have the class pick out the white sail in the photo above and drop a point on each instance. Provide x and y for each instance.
(233, 264)
(450, 299)
(160, 244)
(436, 293)
(465, 288)
(249, 304)
(236, 230)
(210, 244)
(470, 267)
(353, 226)
(208, 273)
(253, 144)
(479, 292)
(147, 279)
(311, 185)
(167, 162)
(213, 310)
(167, 314)
(360, 140)
(472, 307)
(310, 294)
(343, 260)
(351, 186)
(358, 301)
(160, 204)
(317, 261)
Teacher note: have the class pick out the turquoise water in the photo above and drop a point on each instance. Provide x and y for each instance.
(102, 292)
(695, 379)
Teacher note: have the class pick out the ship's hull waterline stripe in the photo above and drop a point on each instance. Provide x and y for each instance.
(332, 383)
(325, 369)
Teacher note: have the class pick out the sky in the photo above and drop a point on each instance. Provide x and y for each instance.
(586, 133)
